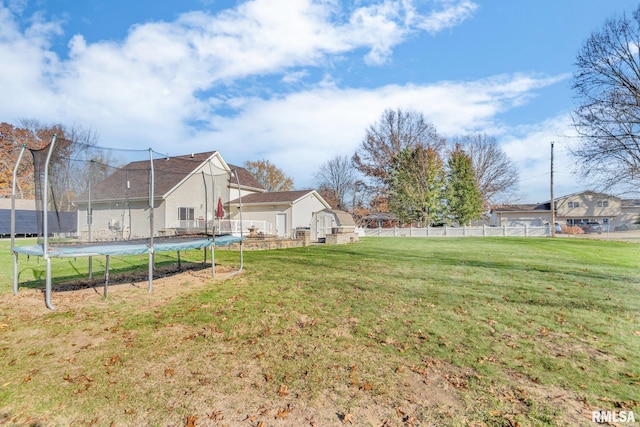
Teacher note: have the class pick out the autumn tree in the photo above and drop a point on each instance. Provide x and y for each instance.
(337, 177)
(417, 185)
(607, 86)
(36, 135)
(496, 175)
(33, 135)
(269, 175)
(394, 131)
(464, 201)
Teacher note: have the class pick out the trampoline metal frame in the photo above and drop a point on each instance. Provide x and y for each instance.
(150, 247)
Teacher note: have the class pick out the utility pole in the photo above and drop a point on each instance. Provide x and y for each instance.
(553, 203)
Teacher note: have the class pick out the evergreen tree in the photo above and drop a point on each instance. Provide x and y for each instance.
(463, 196)
(416, 185)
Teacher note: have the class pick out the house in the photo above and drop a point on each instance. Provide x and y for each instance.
(26, 219)
(286, 210)
(188, 193)
(573, 209)
(186, 190)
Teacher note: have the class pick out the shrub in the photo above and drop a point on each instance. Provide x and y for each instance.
(572, 230)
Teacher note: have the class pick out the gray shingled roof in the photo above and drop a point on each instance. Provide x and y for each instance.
(167, 174)
(522, 207)
(273, 197)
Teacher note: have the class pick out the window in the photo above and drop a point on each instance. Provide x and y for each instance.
(602, 203)
(574, 205)
(186, 214)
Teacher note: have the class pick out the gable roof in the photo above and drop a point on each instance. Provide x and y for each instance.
(245, 177)
(522, 207)
(279, 197)
(132, 180)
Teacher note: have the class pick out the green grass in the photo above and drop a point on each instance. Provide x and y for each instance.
(475, 331)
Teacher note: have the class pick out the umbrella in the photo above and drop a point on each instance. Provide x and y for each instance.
(220, 209)
(219, 212)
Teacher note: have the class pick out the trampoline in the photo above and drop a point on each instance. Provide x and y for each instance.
(115, 198)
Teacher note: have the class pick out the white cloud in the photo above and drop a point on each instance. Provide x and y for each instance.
(530, 149)
(454, 13)
(147, 89)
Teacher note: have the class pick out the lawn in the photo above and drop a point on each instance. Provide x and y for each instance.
(385, 332)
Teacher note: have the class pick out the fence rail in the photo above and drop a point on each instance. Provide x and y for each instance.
(484, 231)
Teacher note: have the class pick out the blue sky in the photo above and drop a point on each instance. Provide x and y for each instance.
(299, 81)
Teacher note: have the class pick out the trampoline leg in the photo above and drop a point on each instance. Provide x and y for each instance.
(106, 275)
(179, 265)
(90, 267)
(47, 289)
(150, 271)
(213, 262)
(15, 273)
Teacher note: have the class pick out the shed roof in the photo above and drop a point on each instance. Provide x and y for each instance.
(342, 218)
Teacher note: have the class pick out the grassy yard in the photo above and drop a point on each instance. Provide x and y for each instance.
(385, 332)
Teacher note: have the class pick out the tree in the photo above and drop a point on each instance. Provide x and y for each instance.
(463, 196)
(337, 176)
(269, 175)
(394, 131)
(36, 135)
(607, 85)
(496, 175)
(417, 185)
(32, 134)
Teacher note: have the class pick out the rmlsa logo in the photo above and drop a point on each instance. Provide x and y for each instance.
(603, 417)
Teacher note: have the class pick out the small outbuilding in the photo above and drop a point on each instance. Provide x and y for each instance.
(333, 226)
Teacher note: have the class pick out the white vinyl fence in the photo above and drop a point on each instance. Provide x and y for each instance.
(483, 231)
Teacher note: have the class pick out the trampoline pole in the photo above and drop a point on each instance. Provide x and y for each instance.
(47, 289)
(106, 275)
(15, 273)
(13, 219)
(213, 227)
(45, 247)
(151, 225)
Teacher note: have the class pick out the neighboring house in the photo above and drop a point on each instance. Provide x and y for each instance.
(287, 210)
(185, 197)
(572, 209)
(26, 219)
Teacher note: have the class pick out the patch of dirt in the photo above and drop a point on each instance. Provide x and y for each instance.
(168, 282)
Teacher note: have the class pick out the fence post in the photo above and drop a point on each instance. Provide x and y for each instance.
(504, 231)
(484, 230)
(526, 231)
(464, 231)
(445, 229)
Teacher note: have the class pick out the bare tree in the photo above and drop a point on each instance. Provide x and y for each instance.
(607, 85)
(393, 132)
(338, 177)
(495, 173)
(269, 175)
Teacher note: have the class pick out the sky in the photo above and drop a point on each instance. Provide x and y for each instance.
(298, 82)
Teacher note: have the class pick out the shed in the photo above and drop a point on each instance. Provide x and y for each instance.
(331, 221)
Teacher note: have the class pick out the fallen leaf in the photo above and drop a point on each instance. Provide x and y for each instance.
(346, 418)
(283, 412)
(191, 421)
(283, 390)
(216, 416)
